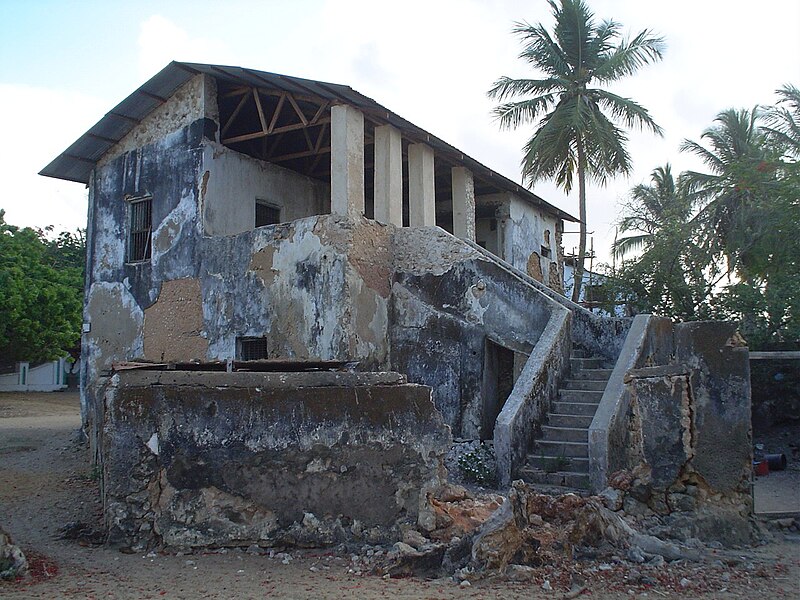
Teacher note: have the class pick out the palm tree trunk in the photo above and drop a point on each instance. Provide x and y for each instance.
(578, 277)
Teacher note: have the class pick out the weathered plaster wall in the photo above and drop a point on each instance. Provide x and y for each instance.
(233, 182)
(526, 231)
(521, 231)
(118, 292)
(316, 288)
(215, 459)
(720, 382)
(446, 301)
(196, 99)
(687, 432)
(775, 385)
(173, 325)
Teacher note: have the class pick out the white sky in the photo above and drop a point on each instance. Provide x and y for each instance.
(64, 64)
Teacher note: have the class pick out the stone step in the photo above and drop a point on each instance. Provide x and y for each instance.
(597, 385)
(593, 396)
(577, 421)
(543, 462)
(565, 434)
(567, 479)
(578, 353)
(593, 374)
(565, 449)
(577, 364)
(575, 408)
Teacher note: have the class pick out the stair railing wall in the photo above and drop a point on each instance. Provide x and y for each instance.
(533, 394)
(599, 336)
(649, 342)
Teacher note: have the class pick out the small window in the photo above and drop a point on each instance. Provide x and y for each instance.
(252, 348)
(267, 214)
(546, 252)
(141, 220)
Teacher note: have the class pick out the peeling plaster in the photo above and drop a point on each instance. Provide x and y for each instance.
(184, 106)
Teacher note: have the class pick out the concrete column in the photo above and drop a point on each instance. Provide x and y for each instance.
(388, 175)
(463, 204)
(347, 161)
(421, 190)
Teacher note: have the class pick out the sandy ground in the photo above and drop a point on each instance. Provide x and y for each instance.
(46, 481)
(779, 492)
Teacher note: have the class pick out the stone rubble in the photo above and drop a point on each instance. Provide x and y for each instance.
(13, 563)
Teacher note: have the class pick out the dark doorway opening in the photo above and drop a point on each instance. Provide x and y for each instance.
(498, 381)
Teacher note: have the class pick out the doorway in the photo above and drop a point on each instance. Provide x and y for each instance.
(498, 381)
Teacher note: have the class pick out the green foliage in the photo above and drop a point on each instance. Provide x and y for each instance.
(728, 248)
(478, 466)
(41, 291)
(579, 125)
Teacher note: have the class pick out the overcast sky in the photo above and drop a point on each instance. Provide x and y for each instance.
(65, 64)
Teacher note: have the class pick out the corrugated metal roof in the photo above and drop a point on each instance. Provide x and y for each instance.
(77, 161)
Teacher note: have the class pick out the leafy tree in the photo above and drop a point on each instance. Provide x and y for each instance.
(41, 290)
(650, 209)
(737, 221)
(578, 125)
(669, 276)
(740, 185)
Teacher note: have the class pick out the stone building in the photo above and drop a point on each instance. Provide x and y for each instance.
(242, 221)
(209, 187)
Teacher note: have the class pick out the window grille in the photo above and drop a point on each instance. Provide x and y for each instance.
(266, 214)
(252, 348)
(139, 242)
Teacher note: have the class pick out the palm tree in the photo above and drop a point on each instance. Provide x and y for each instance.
(742, 169)
(652, 208)
(783, 120)
(579, 128)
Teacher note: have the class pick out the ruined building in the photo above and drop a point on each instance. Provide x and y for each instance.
(242, 222)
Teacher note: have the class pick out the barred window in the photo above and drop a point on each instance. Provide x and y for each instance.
(267, 214)
(252, 348)
(139, 240)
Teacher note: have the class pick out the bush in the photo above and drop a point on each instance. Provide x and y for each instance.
(479, 466)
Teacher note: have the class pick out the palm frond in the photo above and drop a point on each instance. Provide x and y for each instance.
(711, 160)
(512, 114)
(783, 120)
(541, 50)
(628, 111)
(574, 31)
(629, 244)
(630, 56)
(506, 87)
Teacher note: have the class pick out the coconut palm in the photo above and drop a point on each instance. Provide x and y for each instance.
(579, 126)
(652, 208)
(742, 174)
(783, 120)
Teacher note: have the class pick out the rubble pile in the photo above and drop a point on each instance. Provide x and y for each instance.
(12, 560)
(484, 536)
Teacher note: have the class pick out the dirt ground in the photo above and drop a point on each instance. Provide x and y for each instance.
(779, 491)
(46, 481)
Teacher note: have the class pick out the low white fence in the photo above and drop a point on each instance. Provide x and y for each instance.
(47, 377)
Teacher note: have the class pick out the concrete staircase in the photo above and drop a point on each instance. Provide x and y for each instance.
(560, 457)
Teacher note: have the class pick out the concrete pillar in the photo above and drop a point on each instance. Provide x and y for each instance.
(388, 175)
(347, 161)
(421, 190)
(463, 204)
